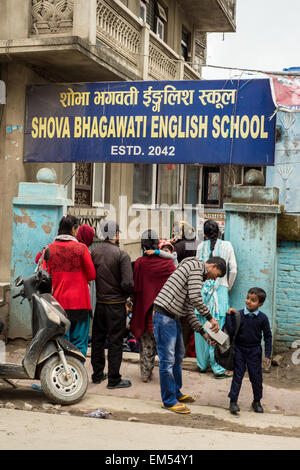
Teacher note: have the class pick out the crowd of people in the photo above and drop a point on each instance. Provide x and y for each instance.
(159, 306)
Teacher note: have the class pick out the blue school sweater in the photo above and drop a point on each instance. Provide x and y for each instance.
(251, 331)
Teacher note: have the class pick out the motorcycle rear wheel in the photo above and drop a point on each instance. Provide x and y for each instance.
(57, 387)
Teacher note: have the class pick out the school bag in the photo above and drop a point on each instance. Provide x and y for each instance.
(224, 353)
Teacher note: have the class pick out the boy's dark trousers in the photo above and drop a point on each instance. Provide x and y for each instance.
(109, 321)
(250, 357)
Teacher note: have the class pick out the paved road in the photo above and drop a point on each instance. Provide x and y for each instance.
(39, 431)
(35, 430)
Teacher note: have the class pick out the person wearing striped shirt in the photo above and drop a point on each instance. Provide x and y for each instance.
(178, 298)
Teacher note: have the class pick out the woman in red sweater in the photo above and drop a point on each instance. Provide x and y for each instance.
(71, 267)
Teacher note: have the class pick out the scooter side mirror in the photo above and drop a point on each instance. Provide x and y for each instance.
(18, 282)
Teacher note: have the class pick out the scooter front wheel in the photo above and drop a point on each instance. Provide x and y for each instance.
(59, 387)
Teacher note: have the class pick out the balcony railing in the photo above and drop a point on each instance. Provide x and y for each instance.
(189, 73)
(120, 31)
(119, 35)
(163, 61)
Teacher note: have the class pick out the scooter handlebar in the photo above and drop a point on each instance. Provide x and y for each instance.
(15, 296)
(20, 294)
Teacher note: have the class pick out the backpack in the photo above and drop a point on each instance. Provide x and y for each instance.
(224, 353)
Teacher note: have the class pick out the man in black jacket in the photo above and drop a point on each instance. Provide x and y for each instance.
(114, 283)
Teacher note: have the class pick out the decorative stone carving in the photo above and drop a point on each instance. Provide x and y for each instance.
(52, 16)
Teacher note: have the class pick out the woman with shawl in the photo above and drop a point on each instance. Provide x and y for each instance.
(216, 293)
(150, 274)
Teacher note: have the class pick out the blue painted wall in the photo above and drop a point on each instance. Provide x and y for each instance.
(285, 174)
(36, 214)
(287, 295)
(253, 236)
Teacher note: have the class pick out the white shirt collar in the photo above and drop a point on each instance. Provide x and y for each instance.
(246, 312)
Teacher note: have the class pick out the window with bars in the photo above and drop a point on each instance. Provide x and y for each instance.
(85, 183)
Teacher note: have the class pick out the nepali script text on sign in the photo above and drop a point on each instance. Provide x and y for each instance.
(207, 122)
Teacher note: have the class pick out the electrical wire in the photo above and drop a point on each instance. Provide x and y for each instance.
(265, 72)
(68, 179)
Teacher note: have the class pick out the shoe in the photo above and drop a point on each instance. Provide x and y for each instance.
(121, 384)
(257, 407)
(234, 407)
(98, 381)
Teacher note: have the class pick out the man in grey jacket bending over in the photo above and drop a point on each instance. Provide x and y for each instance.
(178, 298)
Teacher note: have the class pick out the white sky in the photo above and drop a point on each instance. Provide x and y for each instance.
(267, 38)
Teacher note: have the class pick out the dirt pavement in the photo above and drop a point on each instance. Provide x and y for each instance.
(38, 431)
(141, 402)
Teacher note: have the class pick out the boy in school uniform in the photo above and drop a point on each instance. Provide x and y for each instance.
(247, 348)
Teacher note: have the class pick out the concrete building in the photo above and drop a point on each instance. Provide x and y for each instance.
(44, 42)
(104, 40)
(51, 42)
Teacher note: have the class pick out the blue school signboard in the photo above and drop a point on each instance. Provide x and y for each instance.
(208, 122)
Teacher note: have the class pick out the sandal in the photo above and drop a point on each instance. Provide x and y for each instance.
(226, 375)
(186, 399)
(180, 409)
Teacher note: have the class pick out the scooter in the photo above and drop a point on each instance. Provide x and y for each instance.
(50, 358)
